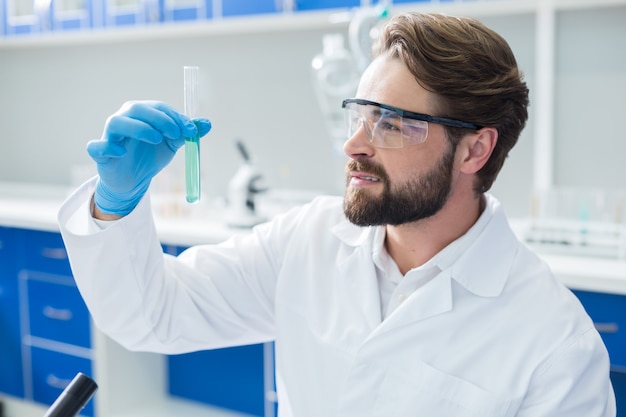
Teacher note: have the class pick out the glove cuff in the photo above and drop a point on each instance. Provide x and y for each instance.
(115, 203)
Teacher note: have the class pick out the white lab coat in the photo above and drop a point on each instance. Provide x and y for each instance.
(494, 335)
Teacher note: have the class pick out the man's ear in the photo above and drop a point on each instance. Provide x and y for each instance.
(478, 148)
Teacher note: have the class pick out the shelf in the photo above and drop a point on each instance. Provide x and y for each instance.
(294, 21)
(180, 30)
(285, 22)
(481, 8)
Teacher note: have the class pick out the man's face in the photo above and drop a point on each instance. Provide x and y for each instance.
(413, 199)
(400, 185)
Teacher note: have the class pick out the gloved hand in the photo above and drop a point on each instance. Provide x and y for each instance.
(138, 141)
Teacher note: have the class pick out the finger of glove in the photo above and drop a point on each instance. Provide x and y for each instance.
(102, 150)
(146, 128)
(203, 125)
(187, 127)
(175, 138)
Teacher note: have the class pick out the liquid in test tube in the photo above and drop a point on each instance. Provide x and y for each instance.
(192, 145)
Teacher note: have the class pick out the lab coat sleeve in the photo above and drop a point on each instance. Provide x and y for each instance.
(209, 297)
(573, 382)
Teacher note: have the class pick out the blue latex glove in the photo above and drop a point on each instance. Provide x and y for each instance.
(139, 140)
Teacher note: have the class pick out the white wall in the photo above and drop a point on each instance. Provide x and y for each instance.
(515, 182)
(591, 89)
(253, 87)
(257, 87)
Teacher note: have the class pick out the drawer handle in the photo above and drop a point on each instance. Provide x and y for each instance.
(56, 382)
(57, 313)
(54, 253)
(606, 327)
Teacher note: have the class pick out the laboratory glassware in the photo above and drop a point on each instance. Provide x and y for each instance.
(192, 145)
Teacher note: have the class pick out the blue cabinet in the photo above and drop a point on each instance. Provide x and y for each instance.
(11, 378)
(23, 17)
(230, 378)
(245, 7)
(44, 323)
(418, 1)
(20, 17)
(56, 312)
(618, 378)
(181, 10)
(325, 4)
(608, 312)
(56, 335)
(72, 14)
(129, 12)
(53, 370)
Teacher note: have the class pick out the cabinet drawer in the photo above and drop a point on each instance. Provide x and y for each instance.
(44, 252)
(608, 312)
(53, 371)
(57, 312)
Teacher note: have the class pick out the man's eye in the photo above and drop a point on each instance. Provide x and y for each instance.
(412, 130)
(389, 125)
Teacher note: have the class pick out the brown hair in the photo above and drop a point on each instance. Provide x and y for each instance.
(472, 71)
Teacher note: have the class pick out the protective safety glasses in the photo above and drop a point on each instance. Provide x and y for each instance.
(391, 127)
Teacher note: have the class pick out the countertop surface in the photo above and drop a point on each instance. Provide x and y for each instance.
(30, 206)
(35, 207)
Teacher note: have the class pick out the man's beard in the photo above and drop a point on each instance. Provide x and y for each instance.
(416, 199)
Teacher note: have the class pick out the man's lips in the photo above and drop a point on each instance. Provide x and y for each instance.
(363, 176)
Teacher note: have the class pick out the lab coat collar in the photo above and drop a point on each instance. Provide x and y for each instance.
(482, 269)
(351, 234)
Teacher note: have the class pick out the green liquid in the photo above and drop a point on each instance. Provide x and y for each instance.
(192, 169)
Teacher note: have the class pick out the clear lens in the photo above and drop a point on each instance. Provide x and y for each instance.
(385, 128)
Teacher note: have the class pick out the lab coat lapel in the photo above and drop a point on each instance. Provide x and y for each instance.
(371, 388)
(434, 298)
(355, 265)
(357, 272)
(431, 300)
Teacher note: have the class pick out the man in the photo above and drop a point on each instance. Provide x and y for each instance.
(412, 296)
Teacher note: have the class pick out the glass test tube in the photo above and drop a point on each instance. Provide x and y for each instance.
(192, 145)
